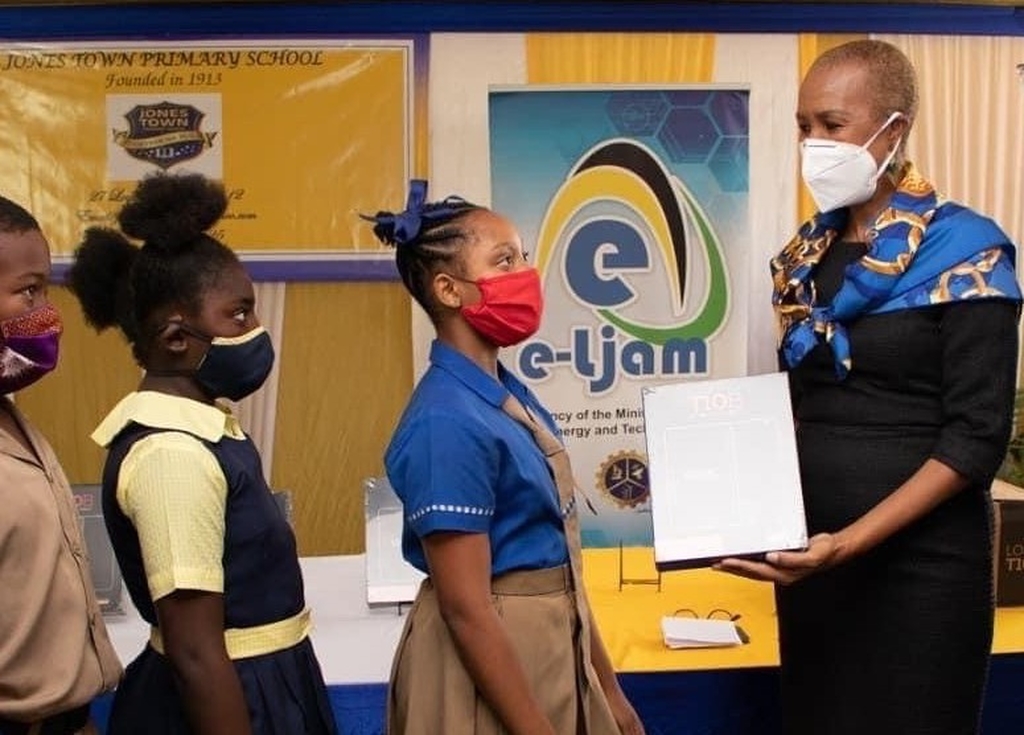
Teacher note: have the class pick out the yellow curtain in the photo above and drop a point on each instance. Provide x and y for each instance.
(813, 45)
(94, 373)
(346, 372)
(567, 58)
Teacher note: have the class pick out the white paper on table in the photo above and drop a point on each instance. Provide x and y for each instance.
(681, 632)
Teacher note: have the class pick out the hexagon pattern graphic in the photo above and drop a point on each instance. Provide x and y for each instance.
(637, 113)
(693, 126)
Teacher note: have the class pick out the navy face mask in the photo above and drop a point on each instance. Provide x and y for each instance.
(234, 367)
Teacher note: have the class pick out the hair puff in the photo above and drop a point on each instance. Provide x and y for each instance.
(171, 211)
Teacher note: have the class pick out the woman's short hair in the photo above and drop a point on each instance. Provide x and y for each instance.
(892, 76)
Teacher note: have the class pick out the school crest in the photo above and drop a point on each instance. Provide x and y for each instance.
(164, 134)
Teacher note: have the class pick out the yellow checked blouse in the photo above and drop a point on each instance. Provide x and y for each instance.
(172, 488)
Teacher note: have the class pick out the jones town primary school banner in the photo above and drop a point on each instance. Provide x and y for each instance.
(634, 205)
(304, 135)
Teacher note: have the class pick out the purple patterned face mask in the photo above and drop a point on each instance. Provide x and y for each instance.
(28, 347)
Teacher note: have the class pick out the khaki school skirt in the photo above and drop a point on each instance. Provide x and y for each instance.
(432, 694)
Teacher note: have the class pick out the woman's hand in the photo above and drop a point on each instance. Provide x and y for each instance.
(786, 567)
(932, 484)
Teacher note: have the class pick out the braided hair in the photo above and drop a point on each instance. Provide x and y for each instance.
(427, 237)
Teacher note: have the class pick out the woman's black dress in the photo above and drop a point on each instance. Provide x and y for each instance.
(897, 642)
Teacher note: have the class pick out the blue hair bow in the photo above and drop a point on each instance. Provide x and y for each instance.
(406, 225)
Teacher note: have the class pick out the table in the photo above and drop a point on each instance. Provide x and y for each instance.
(728, 691)
(629, 619)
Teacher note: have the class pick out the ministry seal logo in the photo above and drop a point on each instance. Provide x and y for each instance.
(164, 134)
(623, 478)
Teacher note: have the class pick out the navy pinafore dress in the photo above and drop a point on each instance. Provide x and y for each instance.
(284, 690)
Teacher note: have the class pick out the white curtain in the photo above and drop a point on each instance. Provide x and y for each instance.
(769, 64)
(258, 412)
(969, 134)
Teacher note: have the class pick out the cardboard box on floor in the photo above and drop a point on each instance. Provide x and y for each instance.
(1009, 543)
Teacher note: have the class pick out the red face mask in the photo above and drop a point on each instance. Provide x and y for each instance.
(509, 308)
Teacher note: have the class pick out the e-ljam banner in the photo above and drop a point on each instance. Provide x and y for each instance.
(634, 205)
(304, 135)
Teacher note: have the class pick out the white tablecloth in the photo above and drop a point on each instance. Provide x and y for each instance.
(353, 642)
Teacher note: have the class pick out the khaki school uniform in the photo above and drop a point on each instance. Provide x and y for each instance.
(55, 655)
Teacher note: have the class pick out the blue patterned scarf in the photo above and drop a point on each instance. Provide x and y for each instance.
(924, 252)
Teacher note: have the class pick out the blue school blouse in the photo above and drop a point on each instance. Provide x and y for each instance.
(460, 463)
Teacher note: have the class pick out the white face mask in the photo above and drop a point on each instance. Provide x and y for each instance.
(842, 174)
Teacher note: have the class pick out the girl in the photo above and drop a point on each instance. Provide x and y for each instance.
(207, 557)
(500, 638)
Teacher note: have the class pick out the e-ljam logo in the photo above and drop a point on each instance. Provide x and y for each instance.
(619, 212)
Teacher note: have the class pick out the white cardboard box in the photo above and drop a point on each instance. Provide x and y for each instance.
(723, 469)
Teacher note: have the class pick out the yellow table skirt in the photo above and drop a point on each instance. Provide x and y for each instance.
(630, 620)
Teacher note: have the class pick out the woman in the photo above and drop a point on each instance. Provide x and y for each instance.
(500, 638)
(208, 559)
(898, 322)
